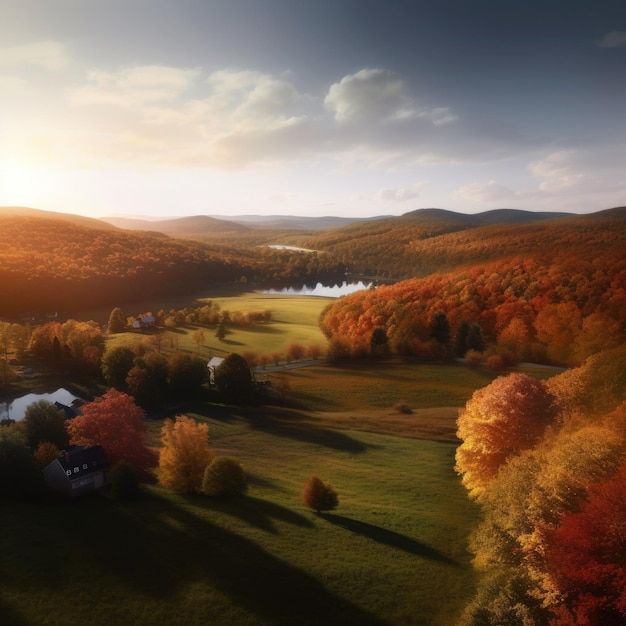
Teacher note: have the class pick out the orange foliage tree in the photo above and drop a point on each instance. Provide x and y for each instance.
(319, 496)
(499, 421)
(115, 422)
(185, 454)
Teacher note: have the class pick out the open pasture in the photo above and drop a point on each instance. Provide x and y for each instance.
(393, 553)
(295, 319)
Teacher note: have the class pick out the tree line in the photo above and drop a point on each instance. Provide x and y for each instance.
(527, 308)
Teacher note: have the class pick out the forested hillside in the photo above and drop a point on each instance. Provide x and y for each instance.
(50, 264)
(553, 291)
(63, 262)
(430, 240)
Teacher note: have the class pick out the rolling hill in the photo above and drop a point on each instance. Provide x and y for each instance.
(191, 225)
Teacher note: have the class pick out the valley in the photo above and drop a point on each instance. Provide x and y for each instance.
(391, 402)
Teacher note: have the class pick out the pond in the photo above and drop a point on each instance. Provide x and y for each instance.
(15, 409)
(327, 291)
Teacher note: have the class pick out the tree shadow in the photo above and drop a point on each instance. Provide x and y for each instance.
(292, 425)
(255, 511)
(153, 550)
(389, 538)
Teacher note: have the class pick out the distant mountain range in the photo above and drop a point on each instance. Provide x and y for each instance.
(200, 224)
(210, 224)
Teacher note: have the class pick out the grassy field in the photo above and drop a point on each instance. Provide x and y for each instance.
(295, 319)
(393, 553)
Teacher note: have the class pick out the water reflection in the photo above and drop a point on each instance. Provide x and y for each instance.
(327, 291)
(15, 409)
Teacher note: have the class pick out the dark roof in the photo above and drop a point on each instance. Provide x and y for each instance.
(80, 461)
(70, 411)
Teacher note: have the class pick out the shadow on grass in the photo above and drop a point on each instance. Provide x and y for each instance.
(388, 538)
(291, 424)
(255, 511)
(150, 552)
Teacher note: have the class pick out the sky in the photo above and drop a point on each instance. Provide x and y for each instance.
(355, 108)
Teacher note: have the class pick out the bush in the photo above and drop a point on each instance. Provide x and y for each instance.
(319, 496)
(124, 481)
(400, 407)
(473, 358)
(495, 363)
(224, 476)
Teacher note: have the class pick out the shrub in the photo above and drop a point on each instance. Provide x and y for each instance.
(124, 481)
(224, 476)
(400, 407)
(319, 496)
(473, 358)
(495, 363)
(45, 453)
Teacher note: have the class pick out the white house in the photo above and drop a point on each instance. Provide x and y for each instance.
(213, 364)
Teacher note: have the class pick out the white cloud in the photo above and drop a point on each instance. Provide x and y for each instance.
(232, 119)
(378, 96)
(50, 55)
(402, 194)
(370, 94)
(559, 172)
(614, 39)
(480, 193)
(135, 86)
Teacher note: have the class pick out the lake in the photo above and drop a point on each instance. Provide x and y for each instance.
(15, 409)
(326, 291)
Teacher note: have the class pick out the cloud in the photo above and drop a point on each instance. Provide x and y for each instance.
(402, 194)
(370, 94)
(134, 86)
(614, 39)
(155, 115)
(49, 55)
(557, 172)
(378, 96)
(480, 193)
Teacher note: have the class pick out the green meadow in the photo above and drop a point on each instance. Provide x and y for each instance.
(393, 553)
(294, 320)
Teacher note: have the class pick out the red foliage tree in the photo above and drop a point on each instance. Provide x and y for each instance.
(115, 422)
(586, 558)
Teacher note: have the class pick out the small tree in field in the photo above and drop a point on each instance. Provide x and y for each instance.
(319, 496)
(184, 455)
(117, 321)
(224, 477)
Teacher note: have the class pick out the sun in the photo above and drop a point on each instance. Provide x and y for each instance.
(22, 183)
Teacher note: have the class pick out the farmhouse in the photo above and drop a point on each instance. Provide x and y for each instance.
(147, 321)
(212, 365)
(77, 471)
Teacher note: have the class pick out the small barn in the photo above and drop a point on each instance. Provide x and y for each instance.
(77, 471)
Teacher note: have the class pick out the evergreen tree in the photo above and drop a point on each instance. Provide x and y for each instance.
(475, 338)
(117, 321)
(460, 344)
(440, 328)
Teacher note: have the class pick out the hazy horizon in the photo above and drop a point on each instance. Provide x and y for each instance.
(349, 108)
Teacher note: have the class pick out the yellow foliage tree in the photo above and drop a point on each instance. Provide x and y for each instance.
(185, 454)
